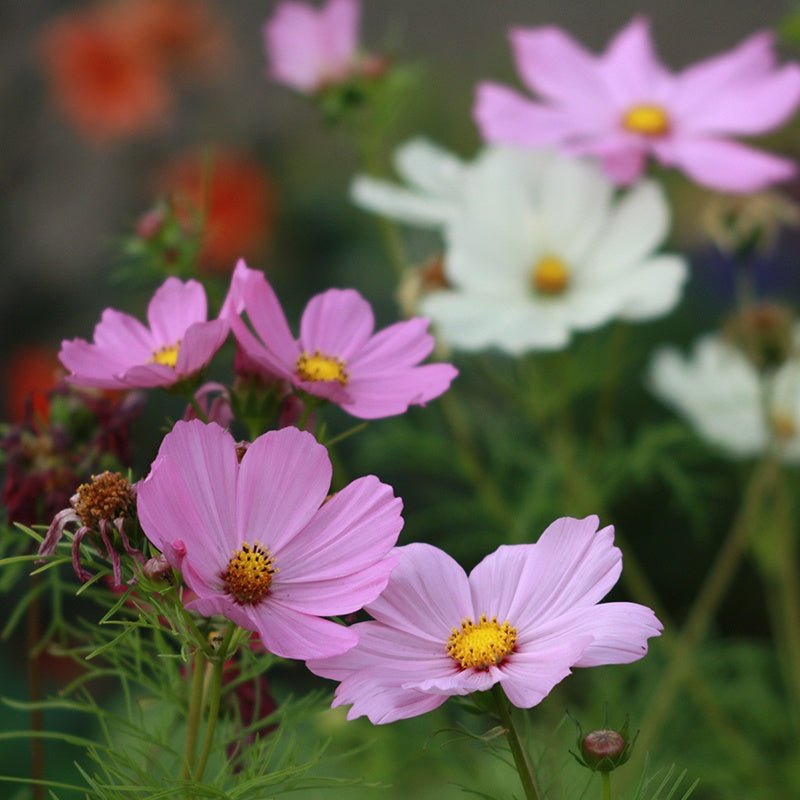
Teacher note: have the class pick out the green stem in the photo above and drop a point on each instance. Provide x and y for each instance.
(606, 776)
(524, 766)
(197, 408)
(216, 695)
(193, 721)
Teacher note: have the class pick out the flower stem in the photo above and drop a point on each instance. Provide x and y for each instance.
(213, 709)
(197, 408)
(606, 776)
(193, 721)
(524, 766)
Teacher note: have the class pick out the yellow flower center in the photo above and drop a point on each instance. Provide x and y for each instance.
(248, 575)
(168, 355)
(550, 275)
(319, 367)
(647, 119)
(483, 644)
(783, 426)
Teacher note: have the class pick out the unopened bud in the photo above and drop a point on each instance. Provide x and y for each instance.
(602, 749)
(763, 333)
(156, 568)
(149, 225)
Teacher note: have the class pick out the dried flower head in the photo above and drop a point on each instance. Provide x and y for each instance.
(108, 495)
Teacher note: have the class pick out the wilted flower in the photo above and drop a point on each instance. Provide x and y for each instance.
(309, 49)
(536, 245)
(101, 506)
(258, 543)
(338, 357)
(525, 616)
(729, 403)
(178, 343)
(624, 105)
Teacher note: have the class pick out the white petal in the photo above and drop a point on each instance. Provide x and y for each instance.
(394, 202)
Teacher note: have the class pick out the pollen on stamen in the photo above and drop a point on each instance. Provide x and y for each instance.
(317, 367)
(166, 356)
(647, 119)
(483, 644)
(550, 275)
(248, 576)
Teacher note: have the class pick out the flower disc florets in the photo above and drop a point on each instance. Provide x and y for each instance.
(108, 495)
(248, 575)
(483, 644)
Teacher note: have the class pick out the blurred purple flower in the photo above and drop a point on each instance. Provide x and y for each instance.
(624, 105)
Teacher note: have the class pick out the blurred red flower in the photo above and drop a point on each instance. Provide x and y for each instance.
(235, 197)
(31, 371)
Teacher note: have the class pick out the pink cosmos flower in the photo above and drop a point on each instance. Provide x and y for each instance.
(125, 354)
(258, 542)
(308, 49)
(624, 105)
(337, 357)
(523, 618)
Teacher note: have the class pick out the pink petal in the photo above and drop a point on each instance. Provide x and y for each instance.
(699, 83)
(746, 108)
(292, 45)
(403, 344)
(148, 376)
(504, 116)
(91, 366)
(190, 495)
(339, 22)
(527, 678)
(124, 337)
(283, 480)
(632, 69)
(725, 166)
(353, 530)
(572, 565)
(427, 596)
(336, 323)
(200, 342)
(465, 681)
(555, 66)
(292, 634)
(173, 308)
(386, 394)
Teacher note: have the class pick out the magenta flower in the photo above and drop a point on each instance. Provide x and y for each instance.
(624, 106)
(309, 49)
(125, 354)
(525, 616)
(258, 542)
(337, 356)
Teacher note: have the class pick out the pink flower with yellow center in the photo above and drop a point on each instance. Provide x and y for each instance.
(261, 543)
(338, 356)
(179, 342)
(625, 105)
(525, 616)
(309, 48)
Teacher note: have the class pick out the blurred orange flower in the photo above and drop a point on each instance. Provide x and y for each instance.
(31, 372)
(101, 78)
(234, 197)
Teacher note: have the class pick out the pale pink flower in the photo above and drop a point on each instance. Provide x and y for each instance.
(338, 357)
(257, 541)
(125, 354)
(307, 48)
(525, 616)
(624, 105)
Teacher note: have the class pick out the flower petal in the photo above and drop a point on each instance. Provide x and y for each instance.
(173, 308)
(394, 202)
(403, 344)
(338, 30)
(200, 342)
(336, 323)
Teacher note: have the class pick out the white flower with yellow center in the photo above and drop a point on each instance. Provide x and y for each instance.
(536, 245)
(728, 403)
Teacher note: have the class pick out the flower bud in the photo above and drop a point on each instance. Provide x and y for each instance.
(763, 332)
(602, 749)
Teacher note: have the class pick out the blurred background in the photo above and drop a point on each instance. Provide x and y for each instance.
(108, 107)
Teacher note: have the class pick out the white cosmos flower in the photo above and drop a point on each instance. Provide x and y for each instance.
(718, 390)
(536, 244)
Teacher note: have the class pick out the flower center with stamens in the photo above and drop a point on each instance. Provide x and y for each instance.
(483, 644)
(319, 367)
(647, 119)
(248, 575)
(550, 275)
(167, 356)
(108, 495)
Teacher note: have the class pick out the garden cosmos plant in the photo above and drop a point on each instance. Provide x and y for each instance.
(523, 618)
(258, 542)
(337, 357)
(179, 342)
(624, 105)
(722, 395)
(536, 245)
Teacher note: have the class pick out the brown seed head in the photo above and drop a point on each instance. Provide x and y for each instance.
(108, 495)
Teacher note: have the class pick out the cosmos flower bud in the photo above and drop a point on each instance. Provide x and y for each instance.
(605, 749)
(157, 568)
(763, 332)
